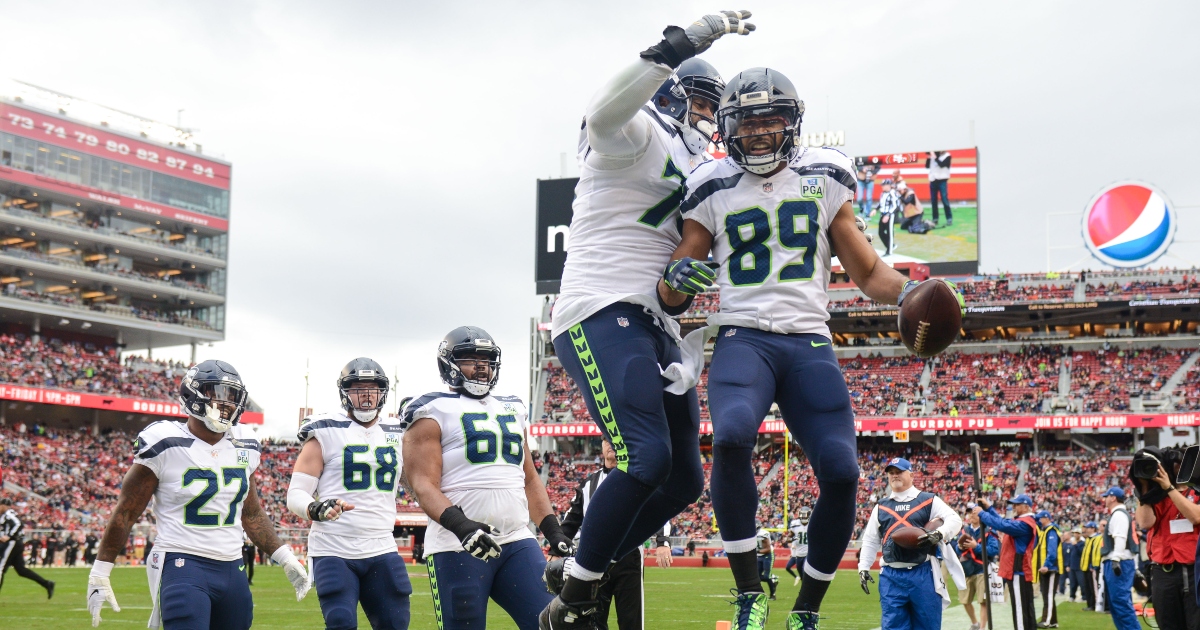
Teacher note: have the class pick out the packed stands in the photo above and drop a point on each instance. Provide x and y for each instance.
(878, 385)
(1069, 486)
(84, 368)
(1143, 289)
(1189, 390)
(994, 384)
(1105, 379)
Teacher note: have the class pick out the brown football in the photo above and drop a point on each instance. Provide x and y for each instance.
(930, 318)
(907, 536)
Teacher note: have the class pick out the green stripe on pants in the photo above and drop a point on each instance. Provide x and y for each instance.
(437, 602)
(600, 395)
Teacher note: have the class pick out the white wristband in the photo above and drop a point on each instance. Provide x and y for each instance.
(101, 569)
(283, 554)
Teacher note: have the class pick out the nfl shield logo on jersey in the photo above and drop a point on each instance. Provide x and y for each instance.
(623, 322)
(178, 562)
(154, 560)
(768, 187)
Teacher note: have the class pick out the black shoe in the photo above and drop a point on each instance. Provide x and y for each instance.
(555, 575)
(50, 591)
(560, 615)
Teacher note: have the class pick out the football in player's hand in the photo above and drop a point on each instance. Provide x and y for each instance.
(930, 318)
(908, 536)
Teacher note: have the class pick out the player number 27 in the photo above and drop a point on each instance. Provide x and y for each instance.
(749, 232)
(191, 512)
(357, 475)
(482, 441)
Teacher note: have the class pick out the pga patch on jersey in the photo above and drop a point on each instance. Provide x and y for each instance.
(812, 187)
(243, 456)
(392, 438)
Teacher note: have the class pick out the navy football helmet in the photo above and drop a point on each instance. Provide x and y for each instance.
(363, 370)
(213, 393)
(462, 343)
(694, 78)
(760, 92)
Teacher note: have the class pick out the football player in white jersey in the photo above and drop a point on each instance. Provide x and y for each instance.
(799, 544)
(610, 330)
(466, 459)
(345, 481)
(771, 213)
(202, 482)
(765, 544)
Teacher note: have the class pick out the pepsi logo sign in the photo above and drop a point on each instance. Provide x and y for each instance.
(1129, 224)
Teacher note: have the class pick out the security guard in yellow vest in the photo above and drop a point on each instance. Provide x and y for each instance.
(1048, 558)
(1089, 561)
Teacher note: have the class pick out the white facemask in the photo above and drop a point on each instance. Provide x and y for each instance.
(696, 142)
(365, 416)
(213, 420)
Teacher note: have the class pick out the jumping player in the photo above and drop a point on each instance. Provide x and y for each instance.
(770, 213)
(609, 330)
(766, 560)
(202, 482)
(466, 459)
(351, 460)
(799, 544)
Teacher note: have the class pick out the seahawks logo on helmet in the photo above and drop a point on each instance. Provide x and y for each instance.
(213, 392)
(760, 92)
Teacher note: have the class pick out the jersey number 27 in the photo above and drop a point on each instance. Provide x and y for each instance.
(191, 512)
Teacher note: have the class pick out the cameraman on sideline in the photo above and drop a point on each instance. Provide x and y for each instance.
(1172, 537)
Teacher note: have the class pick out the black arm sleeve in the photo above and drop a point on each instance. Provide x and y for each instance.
(574, 518)
(674, 49)
(944, 161)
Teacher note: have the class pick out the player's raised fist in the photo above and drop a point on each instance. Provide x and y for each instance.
(328, 510)
(708, 29)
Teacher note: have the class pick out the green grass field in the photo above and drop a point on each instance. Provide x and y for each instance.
(675, 598)
(945, 243)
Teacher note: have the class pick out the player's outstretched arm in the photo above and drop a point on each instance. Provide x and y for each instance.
(610, 120)
(541, 511)
(873, 276)
(687, 274)
(261, 531)
(136, 489)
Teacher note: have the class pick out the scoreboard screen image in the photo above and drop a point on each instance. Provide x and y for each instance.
(946, 240)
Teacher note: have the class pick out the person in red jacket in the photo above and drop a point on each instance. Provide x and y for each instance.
(1168, 512)
(1020, 535)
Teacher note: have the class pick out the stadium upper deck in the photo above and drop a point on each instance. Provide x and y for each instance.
(112, 226)
(1033, 346)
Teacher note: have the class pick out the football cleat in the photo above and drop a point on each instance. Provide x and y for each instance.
(560, 615)
(750, 610)
(556, 573)
(802, 620)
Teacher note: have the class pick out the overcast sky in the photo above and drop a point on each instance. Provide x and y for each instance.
(385, 153)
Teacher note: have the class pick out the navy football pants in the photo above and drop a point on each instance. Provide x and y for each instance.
(201, 594)
(751, 369)
(379, 582)
(462, 584)
(614, 357)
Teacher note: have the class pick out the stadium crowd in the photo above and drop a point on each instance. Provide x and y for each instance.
(84, 368)
(1105, 379)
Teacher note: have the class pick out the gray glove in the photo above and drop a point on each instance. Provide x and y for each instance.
(708, 29)
(681, 44)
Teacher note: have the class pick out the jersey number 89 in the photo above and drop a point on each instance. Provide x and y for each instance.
(482, 442)
(750, 229)
(358, 475)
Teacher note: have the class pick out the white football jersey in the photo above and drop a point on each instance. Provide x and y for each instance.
(763, 538)
(624, 227)
(483, 458)
(201, 488)
(362, 467)
(771, 238)
(799, 544)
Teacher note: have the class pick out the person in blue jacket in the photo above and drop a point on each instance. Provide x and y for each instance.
(1049, 559)
(1072, 554)
(1016, 555)
(970, 554)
